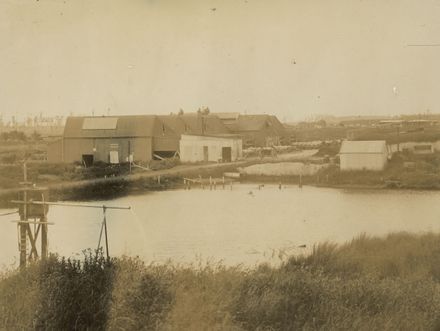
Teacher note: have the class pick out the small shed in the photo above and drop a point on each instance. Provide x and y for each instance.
(363, 155)
(216, 148)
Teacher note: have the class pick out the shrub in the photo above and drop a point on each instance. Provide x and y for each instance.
(75, 294)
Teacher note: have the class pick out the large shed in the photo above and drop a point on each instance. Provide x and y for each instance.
(197, 148)
(114, 139)
(363, 155)
(258, 130)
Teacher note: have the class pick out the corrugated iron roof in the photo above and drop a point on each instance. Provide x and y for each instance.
(192, 123)
(257, 123)
(363, 147)
(211, 124)
(100, 123)
(176, 123)
(127, 126)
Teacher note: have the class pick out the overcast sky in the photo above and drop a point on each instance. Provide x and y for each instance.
(293, 58)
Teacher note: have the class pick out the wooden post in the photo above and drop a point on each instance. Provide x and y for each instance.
(223, 180)
(210, 183)
(23, 225)
(44, 242)
(105, 232)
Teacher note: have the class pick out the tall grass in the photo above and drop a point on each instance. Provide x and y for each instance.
(370, 283)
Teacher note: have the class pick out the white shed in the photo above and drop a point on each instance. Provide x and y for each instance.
(363, 155)
(223, 148)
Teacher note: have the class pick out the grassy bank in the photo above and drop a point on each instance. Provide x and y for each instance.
(404, 170)
(390, 283)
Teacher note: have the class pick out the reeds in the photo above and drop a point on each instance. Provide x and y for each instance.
(390, 283)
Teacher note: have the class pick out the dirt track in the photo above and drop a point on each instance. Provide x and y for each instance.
(180, 170)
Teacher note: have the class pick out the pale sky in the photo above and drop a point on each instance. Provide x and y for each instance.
(293, 58)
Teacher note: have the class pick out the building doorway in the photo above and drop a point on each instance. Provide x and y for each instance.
(205, 154)
(226, 154)
(114, 157)
(87, 160)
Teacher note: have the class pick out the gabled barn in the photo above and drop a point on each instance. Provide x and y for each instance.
(115, 139)
(258, 130)
(195, 124)
(201, 124)
(363, 155)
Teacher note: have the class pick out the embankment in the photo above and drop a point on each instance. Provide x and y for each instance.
(390, 283)
(120, 185)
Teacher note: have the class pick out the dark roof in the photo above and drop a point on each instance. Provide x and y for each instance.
(256, 123)
(126, 126)
(211, 124)
(176, 123)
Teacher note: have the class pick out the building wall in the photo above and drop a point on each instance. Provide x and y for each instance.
(165, 144)
(411, 146)
(55, 151)
(263, 138)
(140, 147)
(360, 161)
(192, 148)
(74, 148)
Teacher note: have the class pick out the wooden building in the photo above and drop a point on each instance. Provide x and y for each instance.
(210, 148)
(195, 123)
(114, 139)
(363, 155)
(258, 130)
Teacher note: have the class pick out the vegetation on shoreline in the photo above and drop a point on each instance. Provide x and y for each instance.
(390, 283)
(404, 170)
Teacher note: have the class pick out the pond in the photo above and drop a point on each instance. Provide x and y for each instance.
(245, 225)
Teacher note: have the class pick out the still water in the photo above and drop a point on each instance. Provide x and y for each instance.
(244, 225)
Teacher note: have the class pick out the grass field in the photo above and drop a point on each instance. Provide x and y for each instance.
(390, 283)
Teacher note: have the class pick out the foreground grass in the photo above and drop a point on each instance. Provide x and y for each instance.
(390, 283)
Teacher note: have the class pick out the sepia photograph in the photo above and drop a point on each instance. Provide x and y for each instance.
(224, 165)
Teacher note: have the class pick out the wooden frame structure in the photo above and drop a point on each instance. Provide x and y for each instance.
(33, 221)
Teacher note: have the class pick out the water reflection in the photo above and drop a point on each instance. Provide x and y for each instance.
(247, 225)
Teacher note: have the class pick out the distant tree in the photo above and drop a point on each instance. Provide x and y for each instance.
(180, 111)
(35, 136)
